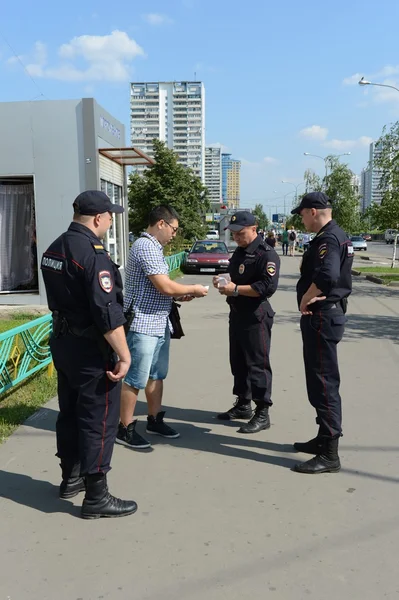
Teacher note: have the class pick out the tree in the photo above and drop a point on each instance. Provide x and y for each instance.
(386, 162)
(261, 217)
(313, 183)
(168, 182)
(339, 187)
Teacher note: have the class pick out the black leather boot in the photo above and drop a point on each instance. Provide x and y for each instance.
(314, 446)
(72, 483)
(327, 461)
(241, 410)
(259, 421)
(98, 501)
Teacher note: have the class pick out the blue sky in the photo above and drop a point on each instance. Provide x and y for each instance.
(280, 77)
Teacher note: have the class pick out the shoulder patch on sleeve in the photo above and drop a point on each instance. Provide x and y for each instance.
(106, 281)
(322, 250)
(271, 268)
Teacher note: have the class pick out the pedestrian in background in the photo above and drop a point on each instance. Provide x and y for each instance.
(322, 291)
(292, 241)
(90, 353)
(271, 239)
(149, 292)
(254, 271)
(284, 242)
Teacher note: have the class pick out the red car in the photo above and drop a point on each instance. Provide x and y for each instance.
(367, 237)
(207, 256)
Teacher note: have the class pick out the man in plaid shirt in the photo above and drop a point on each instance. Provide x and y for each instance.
(150, 291)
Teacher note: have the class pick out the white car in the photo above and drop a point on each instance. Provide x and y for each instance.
(390, 235)
(358, 242)
(212, 234)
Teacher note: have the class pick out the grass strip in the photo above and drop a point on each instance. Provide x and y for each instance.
(19, 403)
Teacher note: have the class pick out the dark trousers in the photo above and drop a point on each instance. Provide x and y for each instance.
(89, 404)
(249, 356)
(321, 333)
(285, 247)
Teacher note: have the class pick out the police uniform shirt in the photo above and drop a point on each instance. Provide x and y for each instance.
(327, 263)
(257, 265)
(82, 282)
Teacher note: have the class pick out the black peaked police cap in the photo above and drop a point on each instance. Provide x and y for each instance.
(313, 200)
(241, 219)
(94, 202)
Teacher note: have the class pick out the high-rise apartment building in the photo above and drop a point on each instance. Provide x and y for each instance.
(231, 181)
(371, 179)
(173, 112)
(213, 175)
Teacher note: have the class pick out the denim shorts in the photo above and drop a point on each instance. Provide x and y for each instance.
(150, 358)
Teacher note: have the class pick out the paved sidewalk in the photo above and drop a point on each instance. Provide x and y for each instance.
(221, 516)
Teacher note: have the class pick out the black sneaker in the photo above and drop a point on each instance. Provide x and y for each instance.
(156, 426)
(128, 436)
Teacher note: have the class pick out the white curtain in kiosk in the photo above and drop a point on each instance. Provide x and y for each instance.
(17, 236)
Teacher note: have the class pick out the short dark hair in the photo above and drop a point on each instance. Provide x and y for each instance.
(162, 213)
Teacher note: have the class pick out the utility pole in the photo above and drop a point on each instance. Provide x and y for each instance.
(395, 243)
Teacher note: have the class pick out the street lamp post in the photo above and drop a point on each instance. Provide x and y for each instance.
(325, 158)
(296, 188)
(364, 81)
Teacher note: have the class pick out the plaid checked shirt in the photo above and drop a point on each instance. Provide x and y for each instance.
(151, 308)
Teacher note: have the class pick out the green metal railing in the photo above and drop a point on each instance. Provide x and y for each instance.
(25, 350)
(175, 261)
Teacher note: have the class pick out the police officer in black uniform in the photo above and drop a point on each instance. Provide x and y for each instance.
(90, 353)
(254, 270)
(322, 293)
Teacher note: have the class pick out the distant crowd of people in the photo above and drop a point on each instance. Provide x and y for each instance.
(289, 239)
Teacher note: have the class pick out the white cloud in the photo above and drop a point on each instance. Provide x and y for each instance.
(269, 160)
(314, 132)
(88, 58)
(157, 19)
(345, 145)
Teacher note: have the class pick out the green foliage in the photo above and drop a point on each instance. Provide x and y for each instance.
(313, 183)
(386, 215)
(261, 217)
(295, 222)
(338, 186)
(168, 182)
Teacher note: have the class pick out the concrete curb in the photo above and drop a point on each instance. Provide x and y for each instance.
(374, 279)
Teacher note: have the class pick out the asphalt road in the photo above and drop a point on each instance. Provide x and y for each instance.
(379, 249)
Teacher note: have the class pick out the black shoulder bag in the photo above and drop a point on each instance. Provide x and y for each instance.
(175, 321)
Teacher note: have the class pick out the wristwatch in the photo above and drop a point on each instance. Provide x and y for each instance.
(235, 293)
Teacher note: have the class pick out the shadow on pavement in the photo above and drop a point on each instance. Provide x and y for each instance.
(35, 493)
(357, 326)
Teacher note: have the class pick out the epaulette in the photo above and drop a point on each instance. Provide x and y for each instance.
(98, 248)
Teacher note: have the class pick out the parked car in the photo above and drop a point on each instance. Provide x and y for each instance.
(367, 237)
(358, 242)
(207, 256)
(390, 235)
(212, 235)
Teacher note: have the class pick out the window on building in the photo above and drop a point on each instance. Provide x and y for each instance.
(114, 238)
